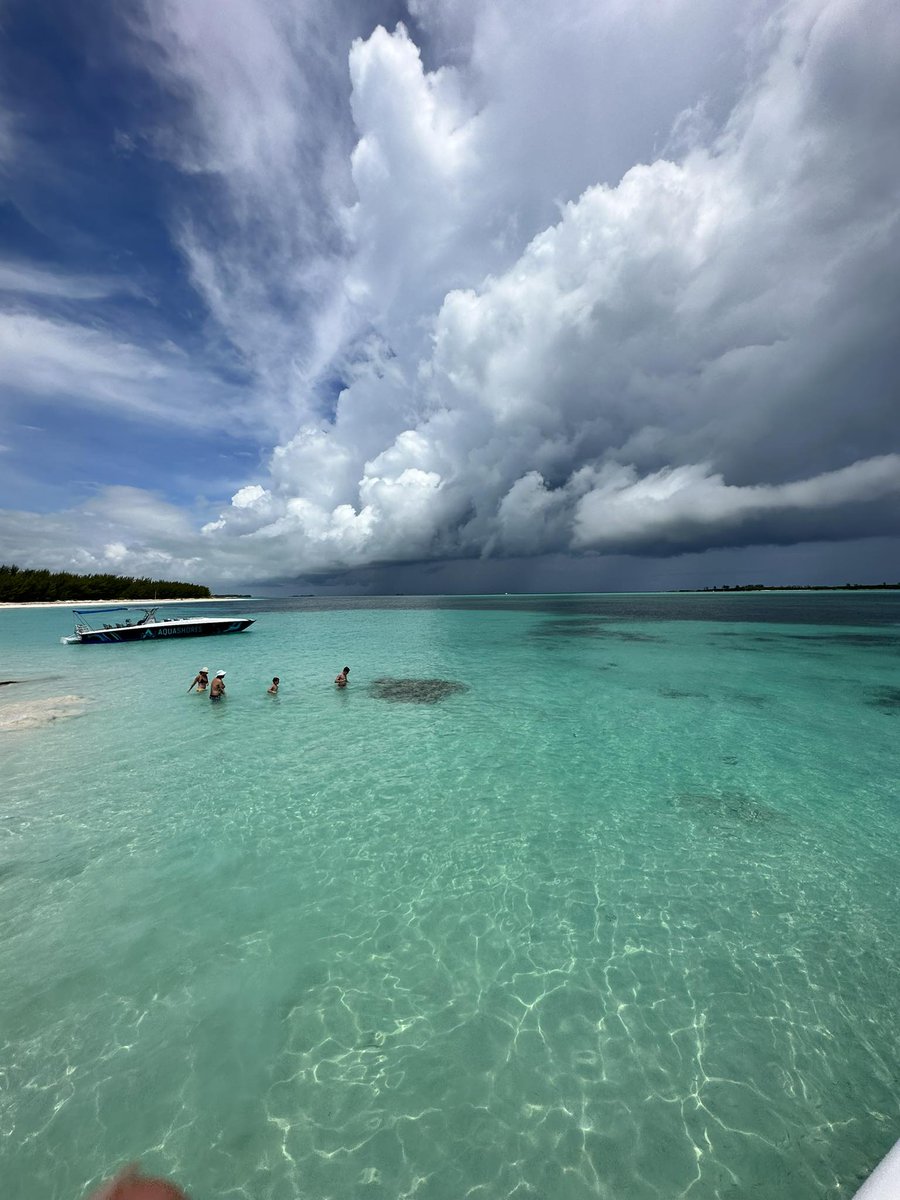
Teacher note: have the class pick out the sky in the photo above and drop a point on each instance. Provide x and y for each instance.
(449, 295)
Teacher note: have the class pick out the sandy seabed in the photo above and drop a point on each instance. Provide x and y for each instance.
(31, 714)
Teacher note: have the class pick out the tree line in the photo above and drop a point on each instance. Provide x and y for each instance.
(19, 585)
(800, 587)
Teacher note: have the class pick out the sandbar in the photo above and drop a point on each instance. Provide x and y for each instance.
(32, 714)
(137, 603)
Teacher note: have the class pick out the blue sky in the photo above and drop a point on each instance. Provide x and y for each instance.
(446, 295)
(85, 240)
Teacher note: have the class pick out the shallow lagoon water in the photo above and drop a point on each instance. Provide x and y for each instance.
(616, 918)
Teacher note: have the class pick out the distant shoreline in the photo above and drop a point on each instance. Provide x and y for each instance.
(797, 587)
(101, 603)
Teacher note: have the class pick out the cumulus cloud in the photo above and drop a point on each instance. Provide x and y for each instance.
(690, 507)
(689, 510)
(118, 528)
(652, 369)
(610, 511)
(607, 279)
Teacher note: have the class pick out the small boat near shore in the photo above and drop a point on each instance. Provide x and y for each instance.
(148, 627)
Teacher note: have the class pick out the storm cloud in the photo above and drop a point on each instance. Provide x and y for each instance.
(504, 284)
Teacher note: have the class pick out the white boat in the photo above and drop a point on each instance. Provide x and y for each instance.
(147, 628)
(884, 1182)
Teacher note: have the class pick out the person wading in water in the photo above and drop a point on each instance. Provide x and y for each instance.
(201, 680)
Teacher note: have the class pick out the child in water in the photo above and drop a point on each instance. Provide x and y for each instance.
(273, 690)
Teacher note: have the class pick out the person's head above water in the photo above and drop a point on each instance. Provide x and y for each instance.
(346, 671)
(203, 671)
(220, 674)
(275, 679)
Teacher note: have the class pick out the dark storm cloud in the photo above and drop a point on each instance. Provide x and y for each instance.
(576, 304)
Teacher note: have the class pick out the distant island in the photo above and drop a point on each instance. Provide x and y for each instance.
(798, 587)
(21, 586)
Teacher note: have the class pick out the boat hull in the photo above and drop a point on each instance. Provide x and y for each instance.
(162, 631)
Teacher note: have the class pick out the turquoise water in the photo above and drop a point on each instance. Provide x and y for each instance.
(619, 920)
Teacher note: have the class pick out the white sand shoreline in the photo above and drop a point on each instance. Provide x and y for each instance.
(100, 603)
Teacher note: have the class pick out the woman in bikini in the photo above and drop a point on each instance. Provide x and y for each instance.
(201, 680)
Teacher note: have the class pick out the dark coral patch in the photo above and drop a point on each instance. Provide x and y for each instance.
(886, 698)
(558, 628)
(562, 628)
(416, 691)
(752, 698)
(725, 806)
(868, 641)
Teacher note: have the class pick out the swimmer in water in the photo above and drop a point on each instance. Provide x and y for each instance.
(201, 680)
(341, 680)
(217, 688)
(273, 690)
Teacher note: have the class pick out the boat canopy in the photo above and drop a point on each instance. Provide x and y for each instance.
(83, 615)
(84, 612)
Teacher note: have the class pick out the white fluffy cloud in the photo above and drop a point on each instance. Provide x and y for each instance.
(611, 278)
(651, 369)
(160, 538)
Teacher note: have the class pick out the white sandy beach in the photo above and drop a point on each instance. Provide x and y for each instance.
(100, 603)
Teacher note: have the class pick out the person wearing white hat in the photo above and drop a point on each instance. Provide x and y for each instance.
(217, 689)
(201, 680)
